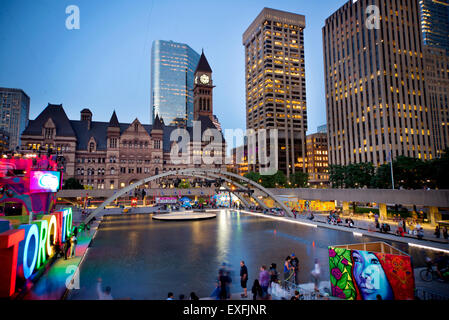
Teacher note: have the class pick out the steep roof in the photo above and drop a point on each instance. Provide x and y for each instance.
(59, 117)
(114, 121)
(158, 123)
(99, 130)
(203, 65)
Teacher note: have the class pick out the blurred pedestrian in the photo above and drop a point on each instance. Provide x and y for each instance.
(243, 278)
(170, 296)
(103, 295)
(445, 235)
(264, 280)
(256, 290)
(316, 272)
(193, 296)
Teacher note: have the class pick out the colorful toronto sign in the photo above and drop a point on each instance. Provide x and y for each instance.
(369, 275)
(26, 250)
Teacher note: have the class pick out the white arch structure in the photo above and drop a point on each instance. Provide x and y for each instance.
(223, 174)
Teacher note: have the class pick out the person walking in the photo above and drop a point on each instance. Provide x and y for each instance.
(264, 280)
(316, 272)
(243, 278)
(295, 264)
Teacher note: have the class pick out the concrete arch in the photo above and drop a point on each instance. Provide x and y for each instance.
(187, 172)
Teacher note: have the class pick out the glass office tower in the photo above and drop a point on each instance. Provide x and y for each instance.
(172, 68)
(435, 23)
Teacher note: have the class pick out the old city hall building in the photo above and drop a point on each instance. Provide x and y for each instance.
(112, 155)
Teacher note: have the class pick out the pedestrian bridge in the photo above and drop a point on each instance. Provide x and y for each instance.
(229, 177)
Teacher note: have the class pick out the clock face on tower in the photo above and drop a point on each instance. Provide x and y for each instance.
(204, 79)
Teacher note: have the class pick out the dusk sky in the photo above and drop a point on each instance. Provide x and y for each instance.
(106, 64)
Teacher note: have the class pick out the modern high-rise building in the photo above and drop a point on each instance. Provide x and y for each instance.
(374, 79)
(172, 70)
(436, 62)
(435, 29)
(435, 23)
(15, 112)
(275, 83)
(317, 159)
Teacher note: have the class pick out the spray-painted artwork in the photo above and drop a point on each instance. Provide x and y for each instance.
(365, 275)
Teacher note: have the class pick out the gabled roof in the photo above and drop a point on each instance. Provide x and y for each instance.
(99, 130)
(203, 65)
(59, 117)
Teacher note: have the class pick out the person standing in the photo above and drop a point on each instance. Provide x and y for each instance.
(67, 245)
(243, 278)
(287, 268)
(73, 243)
(404, 225)
(264, 280)
(295, 265)
(437, 232)
(223, 283)
(316, 272)
(445, 235)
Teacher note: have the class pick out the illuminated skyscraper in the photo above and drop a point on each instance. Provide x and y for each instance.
(435, 23)
(172, 68)
(276, 83)
(375, 88)
(435, 29)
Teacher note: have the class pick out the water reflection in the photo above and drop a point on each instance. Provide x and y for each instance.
(144, 259)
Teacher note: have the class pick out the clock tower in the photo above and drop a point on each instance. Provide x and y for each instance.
(202, 90)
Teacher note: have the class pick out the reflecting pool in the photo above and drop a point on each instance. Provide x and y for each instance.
(141, 258)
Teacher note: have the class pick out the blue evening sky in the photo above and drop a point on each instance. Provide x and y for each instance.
(106, 64)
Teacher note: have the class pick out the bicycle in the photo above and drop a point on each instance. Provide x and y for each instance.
(430, 274)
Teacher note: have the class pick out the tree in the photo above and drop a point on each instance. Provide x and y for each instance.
(299, 180)
(274, 181)
(439, 171)
(72, 184)
(254, 176)
(337, 176)
(382, 177)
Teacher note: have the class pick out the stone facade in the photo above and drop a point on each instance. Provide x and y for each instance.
(112, 155)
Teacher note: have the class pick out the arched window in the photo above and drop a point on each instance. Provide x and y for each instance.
(208, 105)
(112, 170)
(136, 127)
(156, 171)
(91, 147)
